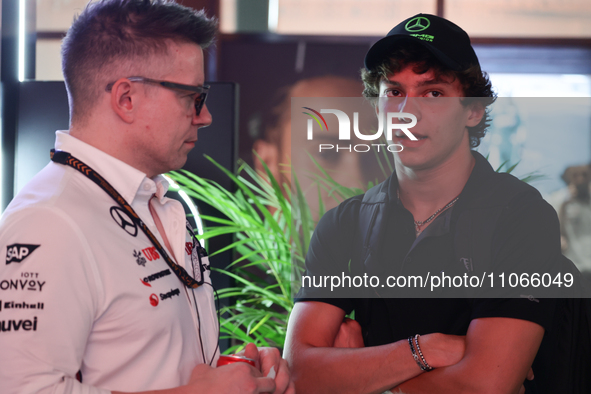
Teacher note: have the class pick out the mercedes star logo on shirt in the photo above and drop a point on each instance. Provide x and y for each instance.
(124, 221)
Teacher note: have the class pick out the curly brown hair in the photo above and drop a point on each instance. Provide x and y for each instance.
(475, 82)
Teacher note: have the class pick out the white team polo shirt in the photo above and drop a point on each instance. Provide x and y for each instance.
(83, 288)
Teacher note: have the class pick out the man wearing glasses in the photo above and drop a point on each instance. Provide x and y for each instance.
(104, 288)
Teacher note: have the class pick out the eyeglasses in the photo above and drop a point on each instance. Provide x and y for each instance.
(199, 99)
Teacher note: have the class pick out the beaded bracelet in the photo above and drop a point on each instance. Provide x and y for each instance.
(427, 366)
(415, 355)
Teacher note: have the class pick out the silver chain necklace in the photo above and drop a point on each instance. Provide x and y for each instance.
(419, 224)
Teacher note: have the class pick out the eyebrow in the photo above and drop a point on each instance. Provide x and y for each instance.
(428, 82)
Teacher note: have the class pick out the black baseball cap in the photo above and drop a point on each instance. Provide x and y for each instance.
(445, 40)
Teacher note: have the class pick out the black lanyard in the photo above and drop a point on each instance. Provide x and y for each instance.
(65, 158)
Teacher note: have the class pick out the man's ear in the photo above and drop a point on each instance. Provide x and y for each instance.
(124, 100)
(269, 153)
(477, 111)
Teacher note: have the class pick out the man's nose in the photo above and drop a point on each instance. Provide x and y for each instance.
(204, 118)
(402, 104)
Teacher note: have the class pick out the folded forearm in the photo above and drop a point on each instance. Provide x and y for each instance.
(358, 371)
(458, 380)
(447, 379)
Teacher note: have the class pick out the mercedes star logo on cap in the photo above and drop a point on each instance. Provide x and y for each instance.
(417, 24)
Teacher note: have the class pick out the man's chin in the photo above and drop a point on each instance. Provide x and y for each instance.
(411, 161)
(180, 164)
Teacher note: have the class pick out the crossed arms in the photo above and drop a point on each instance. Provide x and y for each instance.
(494, 357)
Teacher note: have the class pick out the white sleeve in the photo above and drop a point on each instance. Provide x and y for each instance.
(49, 296)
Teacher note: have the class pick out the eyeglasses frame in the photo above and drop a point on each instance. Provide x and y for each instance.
(199, 99)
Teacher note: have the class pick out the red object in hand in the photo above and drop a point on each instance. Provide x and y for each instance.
(225, 360)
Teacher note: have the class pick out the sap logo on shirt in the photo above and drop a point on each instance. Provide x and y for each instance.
(20, 305)
(21, 284)
(16, 325)
(16, 253)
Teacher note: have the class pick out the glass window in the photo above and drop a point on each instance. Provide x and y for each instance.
(346, 17)
(521, 18)
(54, 17)
(48, 65)
(57, 15)
(331, 17)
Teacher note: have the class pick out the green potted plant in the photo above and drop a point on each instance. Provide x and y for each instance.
(259, 215)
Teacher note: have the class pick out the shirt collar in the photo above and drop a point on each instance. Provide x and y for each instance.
(161, 186)
(127, 180)
(480, 175)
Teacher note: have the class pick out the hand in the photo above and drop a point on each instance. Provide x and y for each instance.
(349, 335)
(228, 379)
(268, 358)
